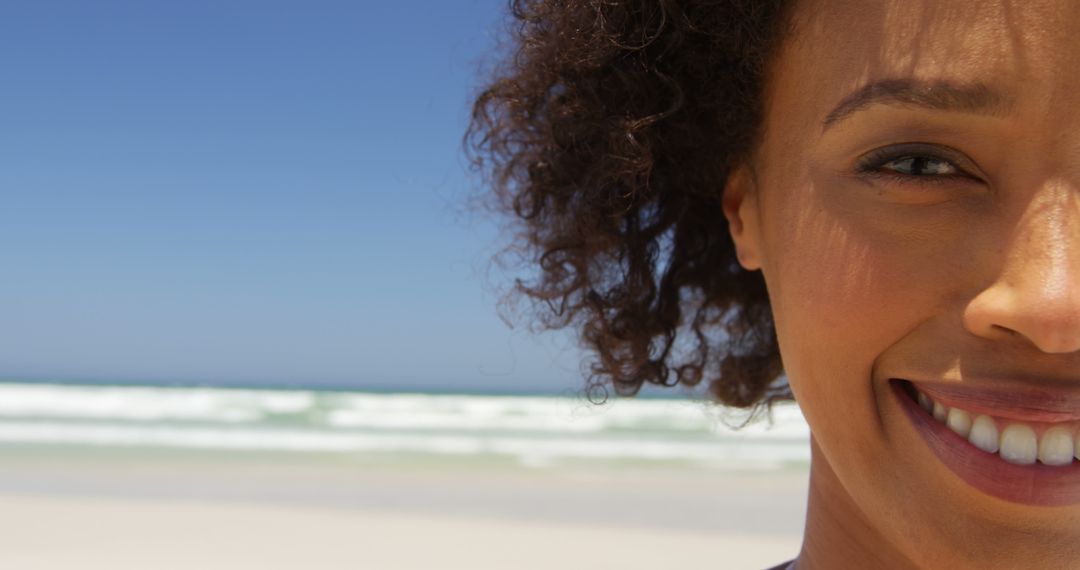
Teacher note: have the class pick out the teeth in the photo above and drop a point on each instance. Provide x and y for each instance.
(984, 434)
(960, 422)
(1056, 446)
(940, 412)
(1019, 444)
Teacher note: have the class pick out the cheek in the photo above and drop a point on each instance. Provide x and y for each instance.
(843, 291)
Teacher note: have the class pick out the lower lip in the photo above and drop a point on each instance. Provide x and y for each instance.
(1036, 484)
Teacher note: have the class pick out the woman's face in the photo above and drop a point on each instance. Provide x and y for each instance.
(915, 208)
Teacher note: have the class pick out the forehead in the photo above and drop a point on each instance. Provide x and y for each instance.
(1029, 47)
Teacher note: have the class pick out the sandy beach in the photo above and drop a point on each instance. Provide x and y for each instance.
(74, 509)
(50, 532)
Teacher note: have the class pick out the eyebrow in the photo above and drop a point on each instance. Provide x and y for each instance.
(935, 95)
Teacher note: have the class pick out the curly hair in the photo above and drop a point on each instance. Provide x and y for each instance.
(607, 134)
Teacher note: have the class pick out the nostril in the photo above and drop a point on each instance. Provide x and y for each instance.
(1005, 330)
(1051, 324)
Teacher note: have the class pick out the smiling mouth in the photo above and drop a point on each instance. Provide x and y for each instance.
(1021, 449)
(1017, 442)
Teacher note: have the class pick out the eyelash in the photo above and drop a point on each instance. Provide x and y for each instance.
(872, 164)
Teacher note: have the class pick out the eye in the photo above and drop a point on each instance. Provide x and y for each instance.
(921, 166)
(917, 162)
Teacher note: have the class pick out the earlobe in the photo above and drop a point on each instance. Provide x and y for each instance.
(741, 210)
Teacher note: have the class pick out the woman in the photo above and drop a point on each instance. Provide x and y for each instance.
(886, 194)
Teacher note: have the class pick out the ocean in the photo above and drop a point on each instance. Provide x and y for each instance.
(527, 431)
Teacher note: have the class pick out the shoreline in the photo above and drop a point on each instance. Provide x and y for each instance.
(770, 503)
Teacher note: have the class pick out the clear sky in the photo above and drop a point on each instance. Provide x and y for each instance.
(252, 191)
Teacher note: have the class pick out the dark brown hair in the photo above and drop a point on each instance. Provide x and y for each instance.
(607, 133)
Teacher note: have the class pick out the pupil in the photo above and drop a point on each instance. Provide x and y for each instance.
(920, 165)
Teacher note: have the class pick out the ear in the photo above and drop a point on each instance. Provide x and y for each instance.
(740, 203)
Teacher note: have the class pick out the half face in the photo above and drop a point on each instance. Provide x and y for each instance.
(915, 208)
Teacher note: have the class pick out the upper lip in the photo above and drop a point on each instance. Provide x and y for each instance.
(1011, 400)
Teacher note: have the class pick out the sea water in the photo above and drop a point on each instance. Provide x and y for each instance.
(526, 431)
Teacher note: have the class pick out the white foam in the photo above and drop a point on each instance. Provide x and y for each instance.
(526, 450)
(148, 403)
(534, 430)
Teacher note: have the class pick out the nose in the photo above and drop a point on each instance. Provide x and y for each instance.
(1036, 295)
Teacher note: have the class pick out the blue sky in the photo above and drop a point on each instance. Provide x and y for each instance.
(250, 191)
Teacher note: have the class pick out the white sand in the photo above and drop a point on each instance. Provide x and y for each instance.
(67, 509)
(77, 533)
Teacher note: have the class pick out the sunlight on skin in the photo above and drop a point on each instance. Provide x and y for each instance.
(1045, 259)
(873, 276)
